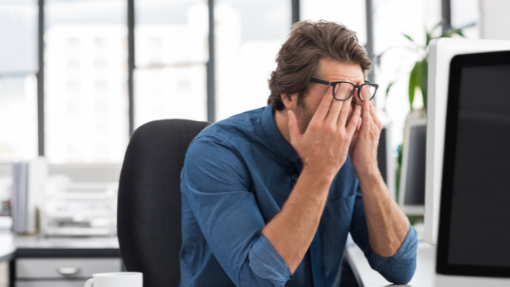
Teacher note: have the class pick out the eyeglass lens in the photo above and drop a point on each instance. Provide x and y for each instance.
(343, 91)
(367, 92)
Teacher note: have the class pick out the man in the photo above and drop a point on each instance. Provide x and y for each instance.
(270, 195)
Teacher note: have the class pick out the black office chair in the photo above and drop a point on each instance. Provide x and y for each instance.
(149, 200)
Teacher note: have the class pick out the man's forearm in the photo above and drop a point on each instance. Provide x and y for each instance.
(292, 230)
(387, 224)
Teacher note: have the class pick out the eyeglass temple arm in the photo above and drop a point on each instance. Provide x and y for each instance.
(320, 81)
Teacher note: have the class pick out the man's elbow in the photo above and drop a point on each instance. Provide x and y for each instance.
(401, 272)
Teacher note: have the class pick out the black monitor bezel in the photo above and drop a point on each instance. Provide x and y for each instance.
(442, 266)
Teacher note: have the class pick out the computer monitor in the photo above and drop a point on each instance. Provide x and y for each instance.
(441, 51)
(412, 176)
(474, 233)
(385, 156)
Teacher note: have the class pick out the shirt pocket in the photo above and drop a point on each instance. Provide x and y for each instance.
(337, 221)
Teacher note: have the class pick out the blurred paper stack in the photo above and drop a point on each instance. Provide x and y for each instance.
(28, 178)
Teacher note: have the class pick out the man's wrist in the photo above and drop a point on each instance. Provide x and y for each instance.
(320, 174)
(370, 174)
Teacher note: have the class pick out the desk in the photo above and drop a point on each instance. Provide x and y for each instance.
(425, 275)
(34, 246)
(36, 261)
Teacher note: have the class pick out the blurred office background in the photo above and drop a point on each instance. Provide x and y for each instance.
(77, 77)
(80, 102)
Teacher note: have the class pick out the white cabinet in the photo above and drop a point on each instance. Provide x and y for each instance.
(56, 272)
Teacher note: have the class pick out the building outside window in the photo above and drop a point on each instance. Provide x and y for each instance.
(18, 81)
(171, 52)
(86, 81)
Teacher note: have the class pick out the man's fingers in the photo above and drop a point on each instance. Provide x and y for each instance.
(354, 122)
(293, 126)
(367, 118)
(334, 111)
(365, 92)
(344, 113)
(374, 116)
(324, 106)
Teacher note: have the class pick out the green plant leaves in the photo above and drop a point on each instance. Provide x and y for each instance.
(428, 35)
(408, 37)
(414, 80)
(458, 31)
(418, 79)
(423, 81)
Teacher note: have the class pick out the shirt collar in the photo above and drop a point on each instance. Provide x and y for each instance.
(275, 139)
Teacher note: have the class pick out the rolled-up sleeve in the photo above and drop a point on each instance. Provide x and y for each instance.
(215, 182)
(398, 269)
(267, 263)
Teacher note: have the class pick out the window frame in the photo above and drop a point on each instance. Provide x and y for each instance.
(211, 104)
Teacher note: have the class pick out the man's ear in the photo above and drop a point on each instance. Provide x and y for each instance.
(289, 100)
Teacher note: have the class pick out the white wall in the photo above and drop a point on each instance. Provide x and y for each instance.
(495, 19)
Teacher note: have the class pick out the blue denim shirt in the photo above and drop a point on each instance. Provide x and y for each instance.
(236, 177)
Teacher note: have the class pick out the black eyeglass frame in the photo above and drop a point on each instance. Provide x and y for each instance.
(334, 84)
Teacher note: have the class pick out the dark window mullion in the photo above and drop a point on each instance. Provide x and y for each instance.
(40, 80)
(369, 9)
(131, 63)
(295, 6)
(211, 76)
(446, 15)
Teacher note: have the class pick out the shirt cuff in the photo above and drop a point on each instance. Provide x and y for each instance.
(401, 265)
(267, 263)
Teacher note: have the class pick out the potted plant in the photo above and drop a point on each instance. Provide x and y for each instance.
(417, 83)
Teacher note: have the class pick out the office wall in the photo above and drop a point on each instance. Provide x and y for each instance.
(494, 19)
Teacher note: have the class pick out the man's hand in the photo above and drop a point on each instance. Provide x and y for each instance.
(363, 149)
(387, 224)
(323, 149)
(324, 145)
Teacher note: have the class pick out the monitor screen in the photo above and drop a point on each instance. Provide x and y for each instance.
(415, 166)
(474, 235)
(480, 218)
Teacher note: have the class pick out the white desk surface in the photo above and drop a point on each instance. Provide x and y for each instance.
(10, 243)
(423, 277)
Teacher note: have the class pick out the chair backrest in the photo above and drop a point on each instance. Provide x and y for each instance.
(149, 200)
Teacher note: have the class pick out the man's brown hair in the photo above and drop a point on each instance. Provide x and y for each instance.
(299, 58)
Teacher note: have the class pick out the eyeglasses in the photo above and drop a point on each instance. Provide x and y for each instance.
(342, 91)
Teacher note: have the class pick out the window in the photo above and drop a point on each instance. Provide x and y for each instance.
(393, 18)
(249, 34)
(85, 81)
(18, 81)
(348, 12)
(171, 52)
(466, 12)
(86, 112)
